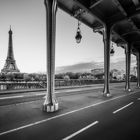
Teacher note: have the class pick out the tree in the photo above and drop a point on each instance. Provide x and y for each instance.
(27, 77)
(10, 76)
(2, 77)
(59, 76)
(18, 76)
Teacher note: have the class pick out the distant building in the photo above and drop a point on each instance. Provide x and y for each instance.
(98, 73)
(10, 64)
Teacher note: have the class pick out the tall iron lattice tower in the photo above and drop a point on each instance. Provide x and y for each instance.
(10, 64)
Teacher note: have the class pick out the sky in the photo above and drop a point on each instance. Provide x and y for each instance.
(28, 22)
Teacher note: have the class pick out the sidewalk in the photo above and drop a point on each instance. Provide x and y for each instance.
(4, 92)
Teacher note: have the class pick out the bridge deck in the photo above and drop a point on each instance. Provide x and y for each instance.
(25, 115)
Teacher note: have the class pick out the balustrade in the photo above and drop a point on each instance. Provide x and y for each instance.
(15, 85)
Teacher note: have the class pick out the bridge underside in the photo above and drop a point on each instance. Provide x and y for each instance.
(116, 20)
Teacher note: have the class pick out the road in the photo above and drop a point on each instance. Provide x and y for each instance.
(86, 116)
(21, 96)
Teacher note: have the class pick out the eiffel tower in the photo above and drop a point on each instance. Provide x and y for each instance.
(10, 64)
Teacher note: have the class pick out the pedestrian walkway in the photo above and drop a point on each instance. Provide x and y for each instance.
(16, 91)
(3, 92)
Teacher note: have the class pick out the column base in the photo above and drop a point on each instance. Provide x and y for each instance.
(129, 90)
(107, 95)
(50, 107)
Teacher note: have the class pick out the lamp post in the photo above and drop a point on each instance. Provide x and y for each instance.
(78, 36)
(50, 103)
(128, 61)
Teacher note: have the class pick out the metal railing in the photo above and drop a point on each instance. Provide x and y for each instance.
(13, 85)
(76, 82)
(10, 85)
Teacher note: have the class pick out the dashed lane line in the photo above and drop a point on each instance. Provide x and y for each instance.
(122, 108)
(80, 131)
(58, 116)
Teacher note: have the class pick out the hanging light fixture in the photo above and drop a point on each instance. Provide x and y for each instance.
(78, 36)
(112, 51)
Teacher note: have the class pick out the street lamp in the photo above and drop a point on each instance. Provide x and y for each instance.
(78, 36)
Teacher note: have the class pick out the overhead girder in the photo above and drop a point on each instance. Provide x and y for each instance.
(97, 14)
(131, 32)
(87, 18)
(133, 27)
(132, 35)
(94, 3)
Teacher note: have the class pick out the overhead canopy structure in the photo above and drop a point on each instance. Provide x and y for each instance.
(122, 15)
(117, 20)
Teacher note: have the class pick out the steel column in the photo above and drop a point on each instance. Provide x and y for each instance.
(138, 69)
(50, 104)
(106, 40)
(128, 61)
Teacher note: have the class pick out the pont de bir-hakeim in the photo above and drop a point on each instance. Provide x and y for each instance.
(10, 64)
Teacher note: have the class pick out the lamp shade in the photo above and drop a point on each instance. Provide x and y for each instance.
(112, 51)
(78, 37)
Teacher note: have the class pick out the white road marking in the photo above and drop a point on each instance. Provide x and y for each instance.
(58, 116)
(11, 97)
(81, 130)
(16, 104)
(39, 94)
(79, 89)
(123, 107)
(21, 96)
(138, 98)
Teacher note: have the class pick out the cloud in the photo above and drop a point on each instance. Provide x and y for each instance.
(88, 66)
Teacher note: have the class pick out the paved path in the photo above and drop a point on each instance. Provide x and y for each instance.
(18, 96)
(82, 115)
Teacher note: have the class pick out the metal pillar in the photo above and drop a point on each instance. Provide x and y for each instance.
(128, 61)
(50, 104)
(138, 69)
(106, 40)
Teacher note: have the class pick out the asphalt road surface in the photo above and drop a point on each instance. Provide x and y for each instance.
(12, 98)
(86, 116)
